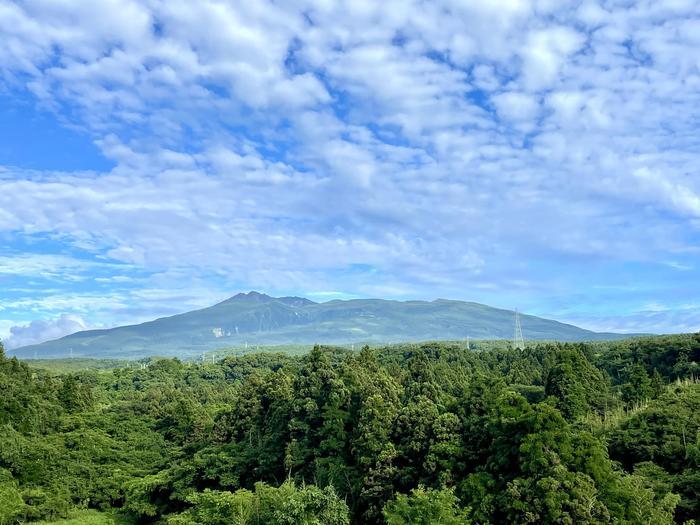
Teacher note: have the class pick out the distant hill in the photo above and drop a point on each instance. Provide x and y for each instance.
(255, 318)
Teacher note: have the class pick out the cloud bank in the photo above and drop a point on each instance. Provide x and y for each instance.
(39, 331)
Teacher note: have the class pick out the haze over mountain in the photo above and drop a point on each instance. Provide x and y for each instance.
(256, 318)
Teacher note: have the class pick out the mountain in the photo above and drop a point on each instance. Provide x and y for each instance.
(256, 318)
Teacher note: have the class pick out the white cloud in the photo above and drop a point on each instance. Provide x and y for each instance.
(546, 50)
(516, 106)
(287, 145)
(677, 195)
(43, 330)
(651, 318)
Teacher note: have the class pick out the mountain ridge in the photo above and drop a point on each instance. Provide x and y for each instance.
(258, 318)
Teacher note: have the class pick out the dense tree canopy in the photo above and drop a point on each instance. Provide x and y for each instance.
(431, 433)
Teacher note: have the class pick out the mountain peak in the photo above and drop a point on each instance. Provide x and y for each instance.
(296, 301)
(258, 297)
(250, 296)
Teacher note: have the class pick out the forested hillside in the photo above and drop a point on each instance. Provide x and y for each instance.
(258, 319)
(411, 434)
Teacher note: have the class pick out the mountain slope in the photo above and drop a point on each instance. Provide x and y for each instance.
(260, 319)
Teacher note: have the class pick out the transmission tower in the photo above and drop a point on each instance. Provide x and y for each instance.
(518, 341)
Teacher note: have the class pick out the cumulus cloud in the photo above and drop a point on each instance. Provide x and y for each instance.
(517, 107)
(546, 51)
(42, 330)
(329, 145)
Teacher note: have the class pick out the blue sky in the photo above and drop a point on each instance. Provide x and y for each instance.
(159, 156)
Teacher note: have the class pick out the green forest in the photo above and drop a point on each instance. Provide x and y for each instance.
(432, 433)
